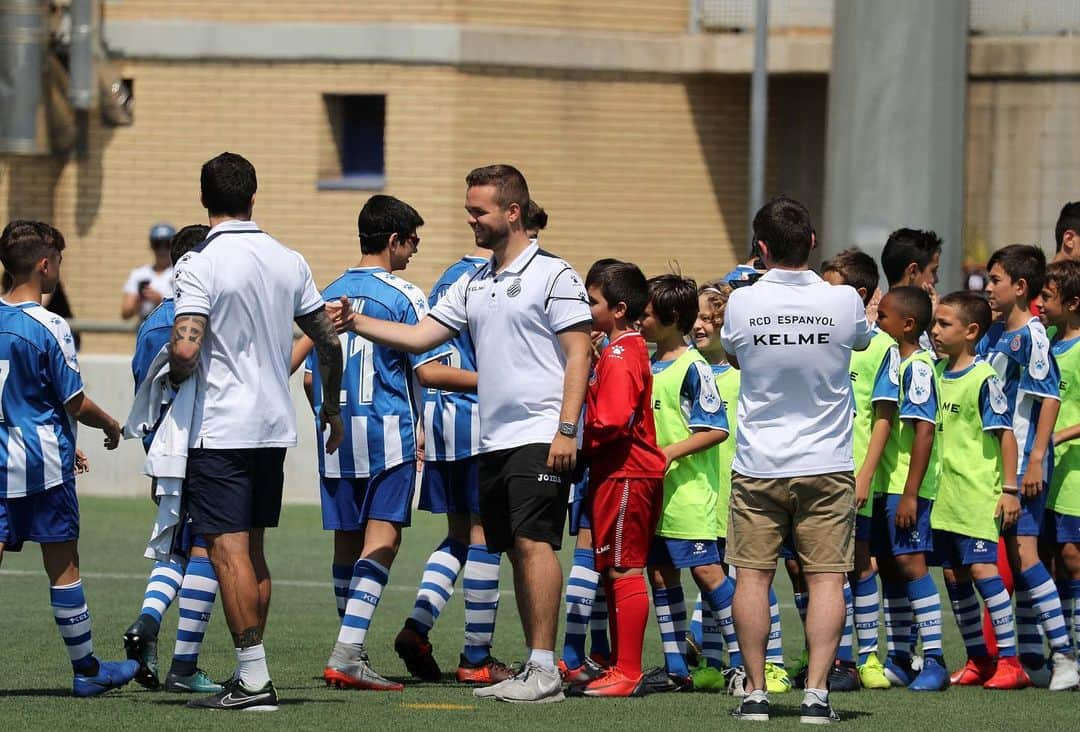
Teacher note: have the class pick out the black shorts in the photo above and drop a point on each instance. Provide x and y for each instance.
(234, 490)
(519, 496)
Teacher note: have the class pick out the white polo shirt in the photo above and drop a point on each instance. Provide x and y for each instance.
(251, 288)
(793, 334)
(514, 318)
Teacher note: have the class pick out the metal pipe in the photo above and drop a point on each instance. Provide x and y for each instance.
(759, 108)
(23, 35)
(81, 57)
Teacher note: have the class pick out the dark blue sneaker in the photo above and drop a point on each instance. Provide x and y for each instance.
(933, 677)
(110, 675)
(754, 707)
(898, 671)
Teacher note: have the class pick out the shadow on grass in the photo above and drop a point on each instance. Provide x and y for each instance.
(289, 702)
(846, 715)
(36, 692)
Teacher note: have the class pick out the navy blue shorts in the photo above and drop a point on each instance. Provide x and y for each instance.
(863, 527)
(956, 550)
(1032, 514)
(185, 539)
(1061, 528)
(234, 490)
(349, 503)
(683, 553)
(579, 514)
(451, 486)
(888, 540)
(47, 517)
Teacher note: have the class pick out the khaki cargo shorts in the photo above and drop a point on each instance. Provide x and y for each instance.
(817, 510)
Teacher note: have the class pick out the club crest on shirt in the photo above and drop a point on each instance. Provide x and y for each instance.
(921, 380)
(709, 397)
(515, 288)
(998, 401)
(1016, 342)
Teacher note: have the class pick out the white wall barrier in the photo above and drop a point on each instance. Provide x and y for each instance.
(119, 473)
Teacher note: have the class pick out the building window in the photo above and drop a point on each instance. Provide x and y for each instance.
(352, 154)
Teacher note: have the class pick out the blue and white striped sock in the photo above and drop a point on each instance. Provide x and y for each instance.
(197, 595)
(802, 605)
(161, 588)
(368, 580)
(670, 608)
(720, 626)
(965, 607)
(897, 609)
(1047, 603)
(774, 651)
(342, 574)
(1029, 641)
(580, 593)
(695, 621)
(599, 645)
(1074, 590)
(866, 616)
(480, 588)
(73, 620)
(926, 608)
(846, 651)
(992, 591)
(437, 584)
(1066, 594)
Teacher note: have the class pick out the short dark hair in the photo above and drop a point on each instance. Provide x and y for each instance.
(971, 307)
(674, 300)
(905, 246)
(913, 302)
(24, 243)
(509, 183)
(621, 282)
(1066, 277)
(784, 225)
(1022, 262)
(597, 267)
(382, 216)
(1068, 219)
(228, 185)
(187, 239)
(536, 218)
(856, 268)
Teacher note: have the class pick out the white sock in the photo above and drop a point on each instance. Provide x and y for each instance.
(816, 696)
(543, 659)
(252, 669)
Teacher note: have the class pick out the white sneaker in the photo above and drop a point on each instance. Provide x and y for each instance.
(490, 692)
(534, 685)
(736, 681)
(1064, 675)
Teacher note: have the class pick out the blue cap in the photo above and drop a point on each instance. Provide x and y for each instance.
(162, 231)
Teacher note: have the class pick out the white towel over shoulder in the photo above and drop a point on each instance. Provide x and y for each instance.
(166, 461)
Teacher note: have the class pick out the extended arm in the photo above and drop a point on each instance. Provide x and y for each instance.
(698, 441)
(418, 338)
(1067, 435)
(82, 408)
(318, 327)
(435, 375)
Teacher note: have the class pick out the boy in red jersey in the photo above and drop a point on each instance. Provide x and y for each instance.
(626, 469)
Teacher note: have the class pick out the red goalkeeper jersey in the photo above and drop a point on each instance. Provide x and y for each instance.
(620, 436)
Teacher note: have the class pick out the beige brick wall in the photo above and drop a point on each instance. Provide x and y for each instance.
(649, 16)
(1022, 156)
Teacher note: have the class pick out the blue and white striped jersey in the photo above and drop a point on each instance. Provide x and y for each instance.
(154, 332)
(1022, 359)
(39, 373)
(452, 418)
(379, 402)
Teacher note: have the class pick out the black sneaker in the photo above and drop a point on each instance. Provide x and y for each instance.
(140, 644)
(659, 681)
(844, 676)
(236, 697)
(817, 712)
(753, 708)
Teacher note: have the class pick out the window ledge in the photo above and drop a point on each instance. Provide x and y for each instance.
(367, 182)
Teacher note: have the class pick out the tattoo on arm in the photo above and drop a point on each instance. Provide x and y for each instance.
(184, 345)
(247, 638)
(320, 330)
